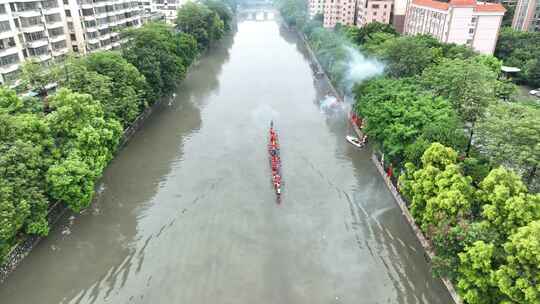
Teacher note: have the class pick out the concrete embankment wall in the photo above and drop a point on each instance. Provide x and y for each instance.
(27, 242)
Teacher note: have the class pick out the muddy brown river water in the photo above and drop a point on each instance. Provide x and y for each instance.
(186, 213)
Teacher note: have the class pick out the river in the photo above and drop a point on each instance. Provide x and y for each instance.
(185, 213)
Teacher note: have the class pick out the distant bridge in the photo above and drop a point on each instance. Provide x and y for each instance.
(257, 14)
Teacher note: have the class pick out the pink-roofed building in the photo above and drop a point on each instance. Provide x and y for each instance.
(465, 22)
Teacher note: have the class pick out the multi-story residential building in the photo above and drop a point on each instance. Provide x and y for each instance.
(95, 24)
(339, 11)
(315, 7)
(465, 22)
(399, 10)
(30, 29)
(168, 8)
(356, 12)
(368, 11)
(527, 15)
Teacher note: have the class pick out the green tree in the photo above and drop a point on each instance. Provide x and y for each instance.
(519, 275)
(222, 9)
(438, 192)
(469, 85)
(35, 76)
(506, 204)
(475, 283)
(152, 50)
(128, 86)
(404, 119)
(510, 134)
(401, 55)
(86, 138)
(361, 35)
(201, 22)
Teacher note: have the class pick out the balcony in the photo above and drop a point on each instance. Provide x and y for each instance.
(42, 57)
(37, 43)
(32, 28)
(57, 38)
(52, 10)
(60, 51)
(10, 50)
(54, 24)
(8, 68)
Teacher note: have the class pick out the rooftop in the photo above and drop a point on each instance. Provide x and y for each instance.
(478, 6)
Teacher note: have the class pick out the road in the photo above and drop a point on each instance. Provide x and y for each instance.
(185, 213)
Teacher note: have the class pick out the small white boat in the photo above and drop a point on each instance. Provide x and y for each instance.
(354, 141)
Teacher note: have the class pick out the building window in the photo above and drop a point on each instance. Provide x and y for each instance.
(2, 9)
(4, 26)
(49, 4)
(68, 13)
(43, 50)
(12, 76)
(469, 42)
(375, 6)
(56, 32)
(53, 18)
(34, 36)
(9, 59)
(59, 45)
(7, 43)
(73, 37)
(471, 31)
(474, 19)
(374, 13)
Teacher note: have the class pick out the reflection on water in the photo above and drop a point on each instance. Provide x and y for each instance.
(186, 213)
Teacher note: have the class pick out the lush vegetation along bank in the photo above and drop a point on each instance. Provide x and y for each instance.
(463, 152)
(55, 147)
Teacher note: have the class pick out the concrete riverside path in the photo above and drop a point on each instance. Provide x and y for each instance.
(186, 213)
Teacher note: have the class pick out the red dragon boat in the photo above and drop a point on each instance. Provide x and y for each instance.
(275, 160)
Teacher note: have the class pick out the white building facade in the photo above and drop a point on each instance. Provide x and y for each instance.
(464, 22)
(96, 24)
(47, 30)
(30, 30)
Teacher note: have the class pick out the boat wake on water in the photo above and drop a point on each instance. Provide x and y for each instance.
(275, 161)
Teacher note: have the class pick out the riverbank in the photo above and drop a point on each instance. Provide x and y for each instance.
(428, 250)
(27, 242)
(410, 220)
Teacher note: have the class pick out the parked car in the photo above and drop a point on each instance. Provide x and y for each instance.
(535, 92)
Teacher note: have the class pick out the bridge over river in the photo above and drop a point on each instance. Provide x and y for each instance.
(186, 213)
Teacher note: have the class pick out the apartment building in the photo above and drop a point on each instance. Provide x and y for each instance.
(368, 11)
(30, 29)
(168, 8)
(315, 7)
(464, 22)
(339, 11)
(47, 30)
(356, 12)
(96, 24)
(527, 15)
